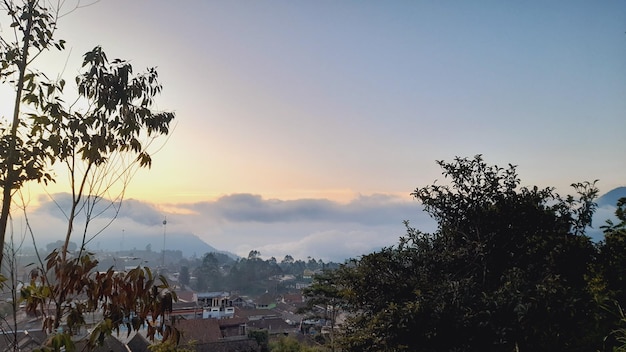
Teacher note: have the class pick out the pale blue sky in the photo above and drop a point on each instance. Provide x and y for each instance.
(294, 99)
(337, 99)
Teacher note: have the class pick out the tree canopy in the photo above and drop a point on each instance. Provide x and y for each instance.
(100, 136)
(508, 268)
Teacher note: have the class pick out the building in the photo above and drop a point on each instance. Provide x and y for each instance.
(217, 305)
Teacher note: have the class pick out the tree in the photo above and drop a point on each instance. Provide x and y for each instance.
(290, 344)
(287, 260)
(208, 273)
(184, 275)
(21, 160)
(505, 270)
(129, 299)
(325, 299)
(261, 337)
(611, 278)
(101, 137)
(613, 255)
(254, 255)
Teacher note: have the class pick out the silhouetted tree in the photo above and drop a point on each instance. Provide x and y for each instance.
(101, 139)
(208, 273)
(184, 275)
(506, 270)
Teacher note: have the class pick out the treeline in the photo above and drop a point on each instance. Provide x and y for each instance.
(508, 269)
(251, 275)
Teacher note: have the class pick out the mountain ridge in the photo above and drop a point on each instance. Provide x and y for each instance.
(188, 243)
(611, 197)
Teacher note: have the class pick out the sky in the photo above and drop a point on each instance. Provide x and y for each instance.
(302, 126)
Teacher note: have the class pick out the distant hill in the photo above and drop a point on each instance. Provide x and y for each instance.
(188, 243)
(606, 211)
(611, 197)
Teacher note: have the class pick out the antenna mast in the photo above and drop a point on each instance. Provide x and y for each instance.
(164, 231)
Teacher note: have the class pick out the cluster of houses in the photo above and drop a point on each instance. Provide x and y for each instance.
(208, 321)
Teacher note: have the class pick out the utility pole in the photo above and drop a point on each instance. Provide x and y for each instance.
(164, 231)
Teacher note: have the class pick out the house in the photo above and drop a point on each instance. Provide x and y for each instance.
(186, 310)
(266, 301)
(138, 343)
(240, 302)
(308, 274)
(233, 327)
(199, 331)
(214, 299)
(274, 326)
(292, 298)
(110, 344)
(202, 331)
(27, 340)
(187, 296)
(216, 305)
(255, 314)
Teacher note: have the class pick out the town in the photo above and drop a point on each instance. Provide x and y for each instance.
(222, 302)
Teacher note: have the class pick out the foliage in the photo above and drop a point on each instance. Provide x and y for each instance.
(184, 275)
(290, 344)
(261, 337)
(325, 299)
(73, 291)
(21, 157)
(169, 346)
(208, 273)
(251, 275)
(609, 282)
(506, 269)
(612, 255)
(619, 334)
(101, 137)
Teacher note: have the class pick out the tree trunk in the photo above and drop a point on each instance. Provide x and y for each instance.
(11, 173)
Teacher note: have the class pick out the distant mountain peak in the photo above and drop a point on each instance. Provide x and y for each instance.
(611, 197)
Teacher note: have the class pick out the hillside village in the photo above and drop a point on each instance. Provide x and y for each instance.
(208, 320)
(303, 126)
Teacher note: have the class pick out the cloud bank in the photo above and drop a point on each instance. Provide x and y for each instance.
(238, 223)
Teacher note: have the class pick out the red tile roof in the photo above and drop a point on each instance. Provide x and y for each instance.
(199, 330)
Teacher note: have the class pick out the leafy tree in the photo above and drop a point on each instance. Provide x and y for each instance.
(287, 260)
(21, 157)
(312, 264)
(251, 275)
(325, 299)
(222, 259)
(254, 254)
(169, 346)
(101, 137)
(291, 266)
(261, 337)
(290, 344)
(618, 335)
(131, 299)
(208, 273)
(612, 255)
(184, 275)
(610, 284)
(505, 270)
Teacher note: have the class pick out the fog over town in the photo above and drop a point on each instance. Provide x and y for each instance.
(239, 223)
